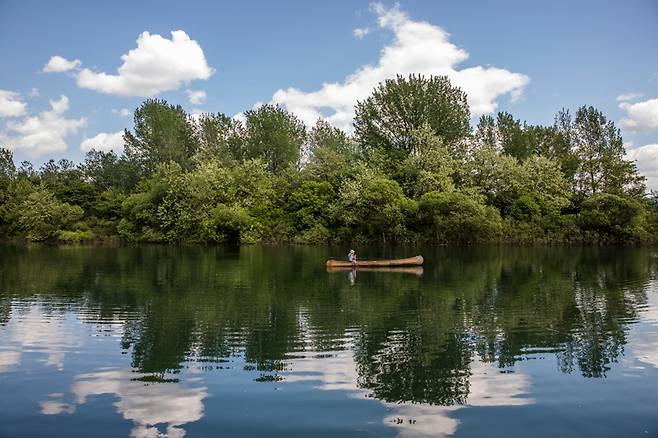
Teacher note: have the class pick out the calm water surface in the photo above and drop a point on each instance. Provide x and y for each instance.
(262, 341)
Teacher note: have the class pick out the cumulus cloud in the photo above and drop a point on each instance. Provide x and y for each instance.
(157, 64)
(34, 92)
(44, 133)
(640, 116)
(58, 64)
(628, 97)
(104, 142)
(123, 112)
(11, 104)
(647, 163)
(196, 97)
(360, 32)
(417, 47)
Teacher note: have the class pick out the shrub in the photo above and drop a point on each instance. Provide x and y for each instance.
(457, 217)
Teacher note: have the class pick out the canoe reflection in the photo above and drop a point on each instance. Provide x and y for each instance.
(416, 270)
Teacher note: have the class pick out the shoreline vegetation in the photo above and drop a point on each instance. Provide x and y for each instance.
(412, 171)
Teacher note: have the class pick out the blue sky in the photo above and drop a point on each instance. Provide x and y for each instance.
(529, 58)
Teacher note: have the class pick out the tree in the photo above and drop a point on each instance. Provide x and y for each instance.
(429, 168)
(506, 134)
(600, 151)
(309, 203)
(7, 167)
(611, 215)
(227, 224)
(107, 171)
(458, 217)
(387, 118)
(502, 179)
(219, 137)
(41, 215)
(162, 133)
(331, 155)
(375, 206)
(273, 135)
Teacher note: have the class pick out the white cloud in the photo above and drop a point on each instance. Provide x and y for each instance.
(628, 97)
(104, 142)
(240, 117)
(360, 32)
(43, 133)
(640, 116)
(34, 92)
(11, 104)
(123, 112)
(196, 97)
(417, 47)
(57, 64)
(647, 163)
(157, 64)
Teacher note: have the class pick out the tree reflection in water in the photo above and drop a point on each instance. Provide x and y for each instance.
(415, 339)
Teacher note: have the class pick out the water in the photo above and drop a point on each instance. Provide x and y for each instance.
(262, 341)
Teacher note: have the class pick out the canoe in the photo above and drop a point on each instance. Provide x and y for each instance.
(416, 270)
(411, 261)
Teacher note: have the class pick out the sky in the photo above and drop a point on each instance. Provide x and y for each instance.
(74, 71)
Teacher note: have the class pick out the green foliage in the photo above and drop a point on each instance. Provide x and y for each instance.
(162, 133)
(600, 151)
(375, 207)
(41, 216)
(309, 203)
(429, 168)
(611, 216)
(74, 236)
(7, 167)
(274, 135)
(106, 171)
(412, 171)
(220, 137)
(458, 217)
(228, 224)
(397, 107)
(524, 208)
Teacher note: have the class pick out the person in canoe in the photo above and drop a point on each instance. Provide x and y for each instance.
(351, 257)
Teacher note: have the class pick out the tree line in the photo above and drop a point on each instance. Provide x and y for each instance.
(412, 170)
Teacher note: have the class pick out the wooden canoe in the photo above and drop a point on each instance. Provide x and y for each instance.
(411, 261)
(416, 270)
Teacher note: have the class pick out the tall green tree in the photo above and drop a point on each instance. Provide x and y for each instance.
(507, 134)
(387, 118)
(7, 166)
(105, 170)
(219, 137)
(273, 135)
(162, 133)
(331, 155)
(600, 151)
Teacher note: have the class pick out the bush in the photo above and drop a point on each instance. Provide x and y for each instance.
(74, 236)
(457, 217)
(41, 216)
(524, 208)
(227, 224)
(611, 216)
(316, 234)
